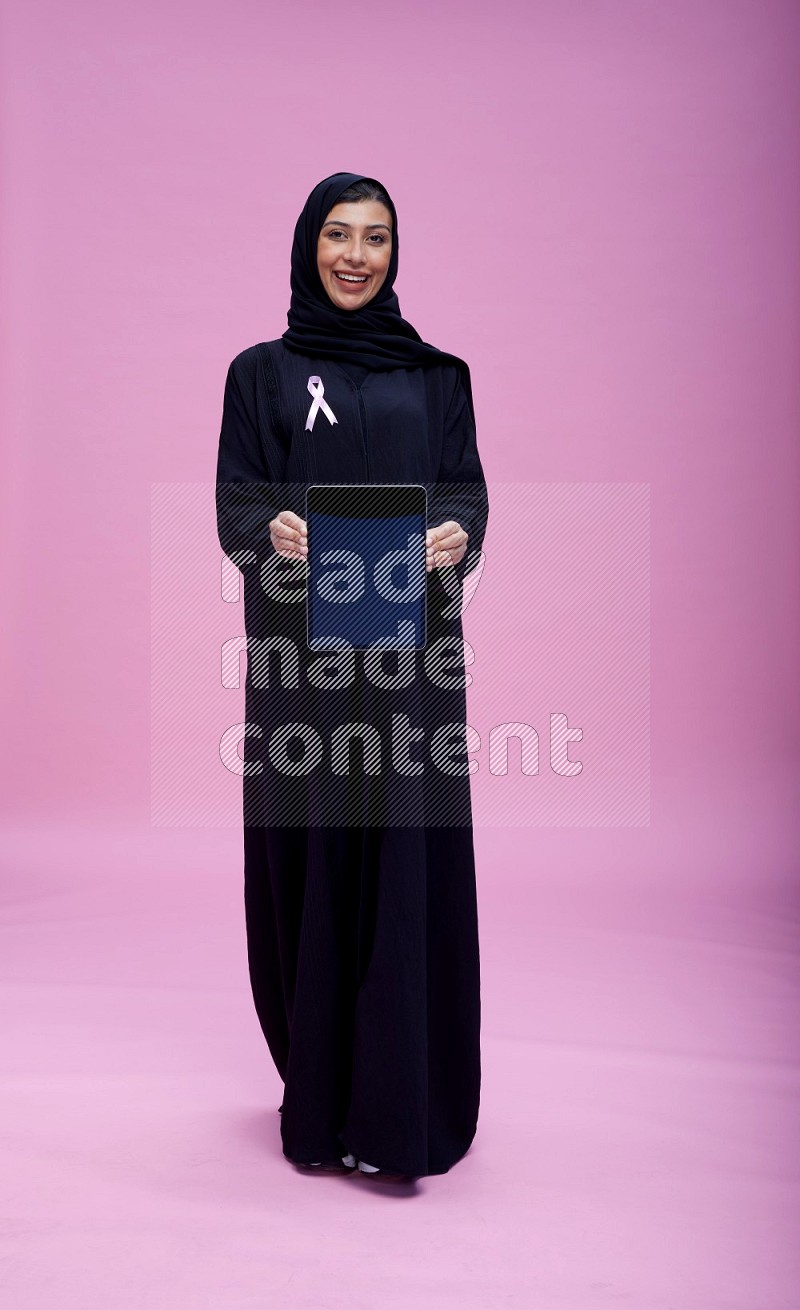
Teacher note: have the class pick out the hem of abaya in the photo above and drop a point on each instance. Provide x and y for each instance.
(431, 1171)
(349, 1145)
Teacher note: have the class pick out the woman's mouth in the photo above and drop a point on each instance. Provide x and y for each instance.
(351, 279)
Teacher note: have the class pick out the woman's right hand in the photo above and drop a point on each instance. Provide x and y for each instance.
(288, 533)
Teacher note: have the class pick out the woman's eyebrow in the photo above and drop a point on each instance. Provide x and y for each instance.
(334, 222)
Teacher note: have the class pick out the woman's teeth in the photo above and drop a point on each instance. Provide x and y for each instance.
(346, 277)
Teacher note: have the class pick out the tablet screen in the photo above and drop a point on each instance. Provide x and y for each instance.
(366, 566)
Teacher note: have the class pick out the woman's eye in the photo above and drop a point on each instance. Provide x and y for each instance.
(376, 237)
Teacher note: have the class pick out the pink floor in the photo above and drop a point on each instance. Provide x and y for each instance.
(638, 1114)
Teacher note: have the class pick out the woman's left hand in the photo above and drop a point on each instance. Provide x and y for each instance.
(446, 544)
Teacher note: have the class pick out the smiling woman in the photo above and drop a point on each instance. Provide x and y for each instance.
(360, 890)
(353, 252)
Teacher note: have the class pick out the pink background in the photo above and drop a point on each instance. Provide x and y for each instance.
(599, 206)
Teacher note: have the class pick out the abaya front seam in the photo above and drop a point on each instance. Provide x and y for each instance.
(362, 940)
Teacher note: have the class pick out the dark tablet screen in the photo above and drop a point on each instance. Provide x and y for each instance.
(366, 562)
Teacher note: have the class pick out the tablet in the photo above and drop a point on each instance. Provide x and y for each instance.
(366, 566)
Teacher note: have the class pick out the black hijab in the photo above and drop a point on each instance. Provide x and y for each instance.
(377, 336)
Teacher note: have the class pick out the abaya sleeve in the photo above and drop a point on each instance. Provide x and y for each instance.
(245, 496)
(460, 491)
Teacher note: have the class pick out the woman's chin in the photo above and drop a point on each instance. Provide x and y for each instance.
(348, 302)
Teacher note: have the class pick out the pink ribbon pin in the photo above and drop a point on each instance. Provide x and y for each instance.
(317, 390)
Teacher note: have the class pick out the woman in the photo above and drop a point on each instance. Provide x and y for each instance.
(360, 894)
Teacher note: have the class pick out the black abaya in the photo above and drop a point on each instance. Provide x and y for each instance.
(362, 937)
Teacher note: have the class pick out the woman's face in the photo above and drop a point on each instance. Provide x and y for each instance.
(356, 240)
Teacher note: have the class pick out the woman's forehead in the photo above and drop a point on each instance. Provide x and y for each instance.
(360, 213)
